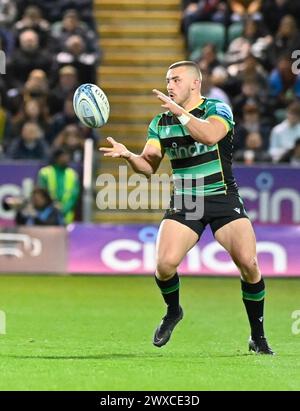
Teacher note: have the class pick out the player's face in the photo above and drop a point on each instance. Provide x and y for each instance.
(180, 83)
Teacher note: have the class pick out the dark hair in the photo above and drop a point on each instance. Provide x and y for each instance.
(294, 108)
(187, 63)
(284, 56)
(59, 152)
(44, 193)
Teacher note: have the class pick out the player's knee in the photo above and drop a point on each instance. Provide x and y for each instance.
(166, 267)
(247, 263)
(249, 267)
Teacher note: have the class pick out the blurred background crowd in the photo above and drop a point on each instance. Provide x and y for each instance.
(247, 51)
(51, 47)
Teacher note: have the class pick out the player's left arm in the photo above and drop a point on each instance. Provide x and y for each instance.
(208, 131)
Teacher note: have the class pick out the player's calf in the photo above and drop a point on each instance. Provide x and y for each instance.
(170, 292)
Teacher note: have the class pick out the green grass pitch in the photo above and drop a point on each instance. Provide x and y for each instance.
(95, 333)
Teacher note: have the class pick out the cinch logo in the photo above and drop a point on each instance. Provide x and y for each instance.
(183, 152)
(141, 255)
(14, 190)
(18, 245)
(270, 205)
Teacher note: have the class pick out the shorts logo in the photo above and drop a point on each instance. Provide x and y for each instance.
(238, 210)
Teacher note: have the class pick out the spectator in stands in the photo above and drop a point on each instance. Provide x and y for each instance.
(208, 59)
(30, 56)
(8, 13)
(253, 95)
(36, 86)
(75, 54)
(211, 91)
(40, 210)
(62, 182)
(286, 40)
(13, 101)
(240, 47)
(292, 156)
(54, 9)
(67, 83)
(219, 78)
(83, 7)
(284, 135)
(61, 120)
(71, 139)
(284, 84)
(254, 35)
(253, 151)
(32, 19)
(203, 10)
(273, 11)
(250, 68)
(72, 25)
(5, 128)
(251, 122)
(30, 145)
(33, 111)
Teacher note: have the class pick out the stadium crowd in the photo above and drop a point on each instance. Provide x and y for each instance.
(255, 70)
(51, 47)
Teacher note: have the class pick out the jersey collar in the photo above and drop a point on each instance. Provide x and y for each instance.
(199, 104)
(202, 100)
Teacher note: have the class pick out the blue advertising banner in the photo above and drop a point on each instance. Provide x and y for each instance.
(117, 249)
(271, 194)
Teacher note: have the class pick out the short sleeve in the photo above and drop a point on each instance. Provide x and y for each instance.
(153, 133)
(221, 111)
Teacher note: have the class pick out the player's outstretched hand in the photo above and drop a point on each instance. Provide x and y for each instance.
(168, 103)
(117, 150)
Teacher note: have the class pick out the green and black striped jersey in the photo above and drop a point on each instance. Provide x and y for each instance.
(198, 169)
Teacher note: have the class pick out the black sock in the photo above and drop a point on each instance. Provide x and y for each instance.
(170, 293)
(253, 298)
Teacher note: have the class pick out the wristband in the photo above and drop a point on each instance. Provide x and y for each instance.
(184, 119)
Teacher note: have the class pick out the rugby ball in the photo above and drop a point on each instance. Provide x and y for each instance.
(91, 105)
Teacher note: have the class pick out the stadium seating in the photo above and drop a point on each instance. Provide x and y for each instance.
(202, 33)
(234, 30)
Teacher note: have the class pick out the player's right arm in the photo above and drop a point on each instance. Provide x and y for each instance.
(149, 160)
(145, 163)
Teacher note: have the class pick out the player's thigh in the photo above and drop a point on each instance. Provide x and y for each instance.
(173, 242)
(238, 238)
